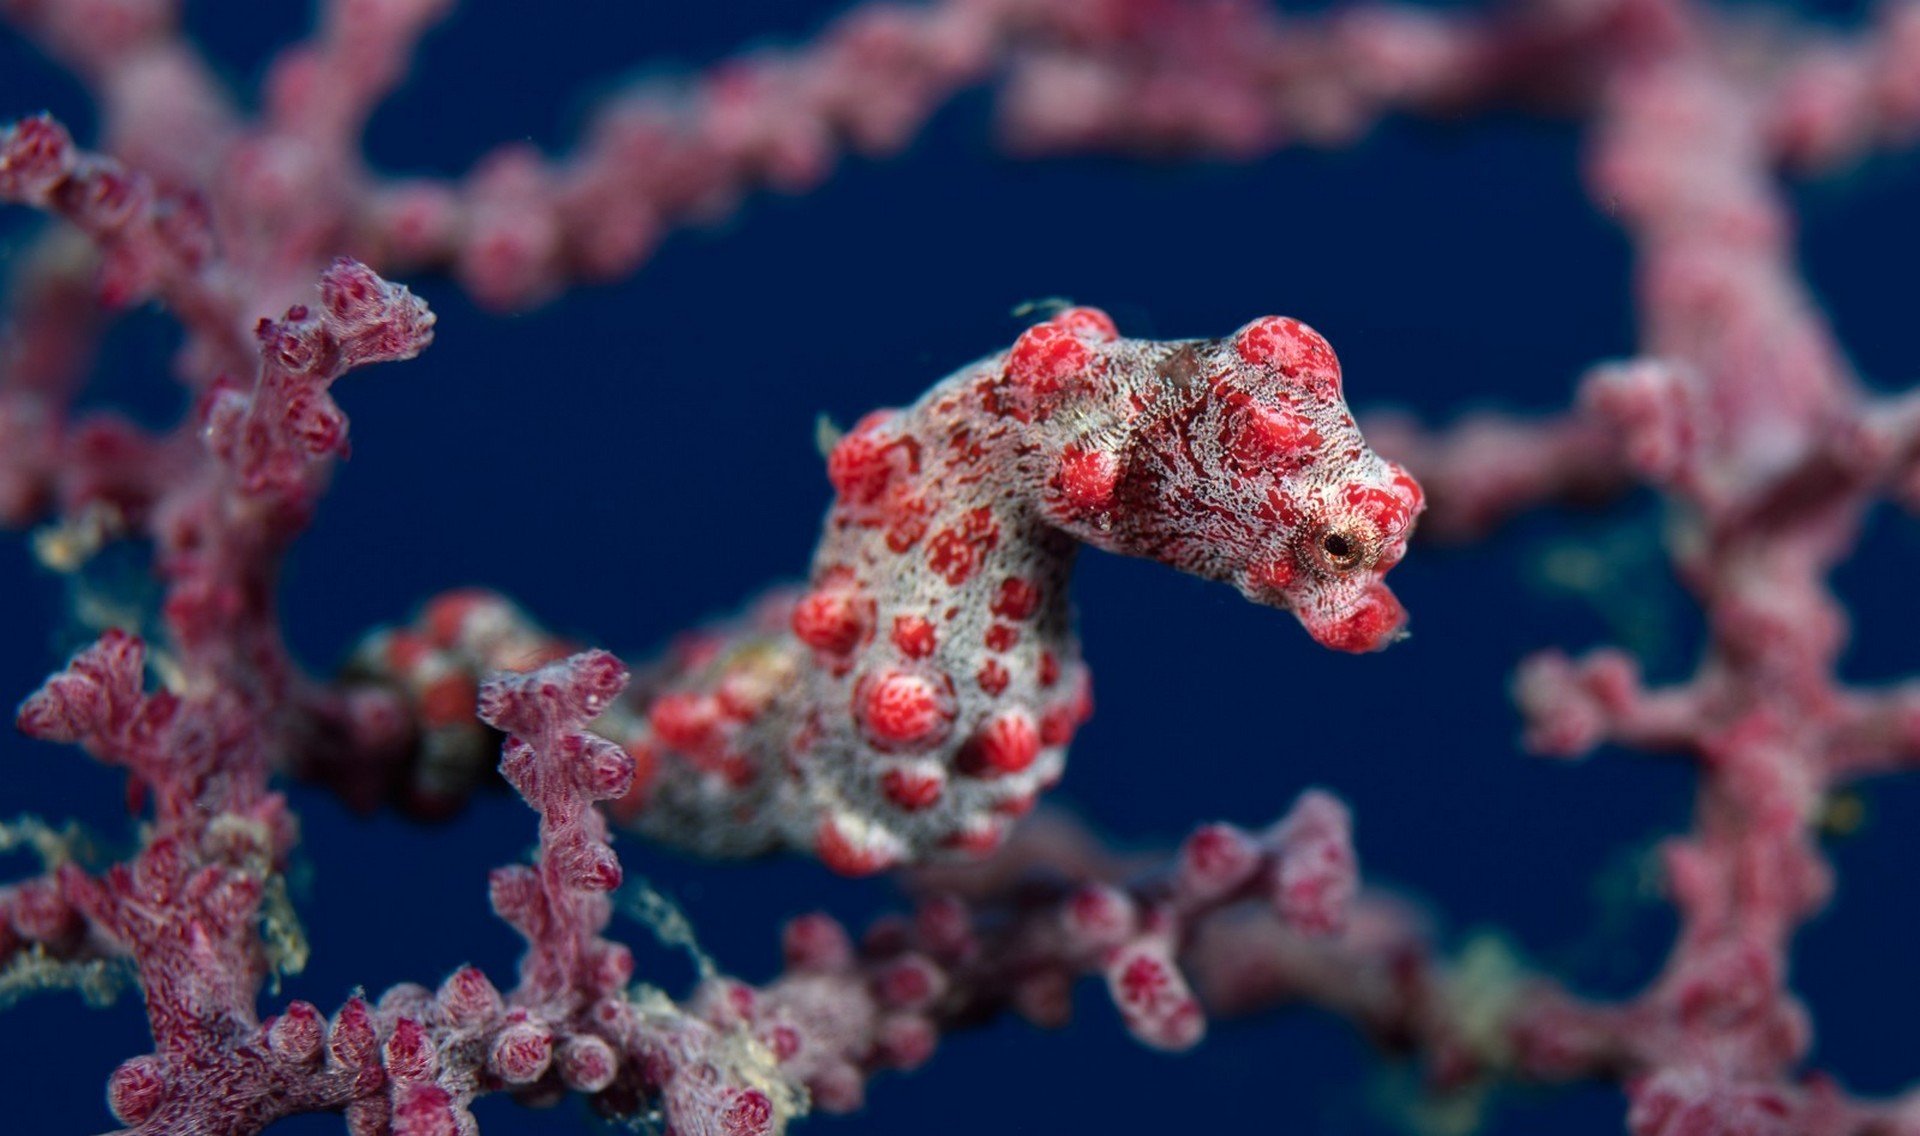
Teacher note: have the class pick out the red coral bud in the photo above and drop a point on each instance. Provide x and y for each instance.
(520, 1053)
(353, 1043)
(1215, 860)
(1385, 508)
(409, 1054)
(467, 998)
(1270, 437)
(911, 982)
(1086, 480)
(1043, 360)
(1292, 348)
(852, 847)
(36, 154)
(370, 1116)
(41, 914)
(424, 1110)
(587, 1063)
(913, 788)
(595, 679)
(861, 464)
(586, 863)
(351, 293)
(374, 321)
(448, 616)
(1317, 876)
(605, 770)
(1089, 324)
(298, 1034)
(1007, 743)
(137, 1089)
(99, 689)
(1154, 999)
(993, 677)
(915, 637)
(956, 551)
(1099, 917)
(104, 199)
(750, 1114)
(1016, 600)
(903, 710)
(297, 349)
(783, 1041)
(566, 694)
(816, 944)
(831, 619)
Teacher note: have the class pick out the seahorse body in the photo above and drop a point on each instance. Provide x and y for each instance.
(922, 690)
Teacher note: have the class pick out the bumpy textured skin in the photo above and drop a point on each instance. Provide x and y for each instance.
(921, 692)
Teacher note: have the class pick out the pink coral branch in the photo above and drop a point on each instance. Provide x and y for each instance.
(293, 191)
(1017, 931)
(1487, 467)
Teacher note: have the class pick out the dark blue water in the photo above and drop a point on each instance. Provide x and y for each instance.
(641, 455)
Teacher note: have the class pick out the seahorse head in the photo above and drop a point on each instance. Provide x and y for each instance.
(1344, 513)
(1235, 459)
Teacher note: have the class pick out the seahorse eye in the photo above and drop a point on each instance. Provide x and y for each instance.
(1340, 550)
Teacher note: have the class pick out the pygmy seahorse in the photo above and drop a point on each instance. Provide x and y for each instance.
(921, 691)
